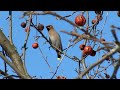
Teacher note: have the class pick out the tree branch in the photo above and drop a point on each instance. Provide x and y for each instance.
(115, 70)
(10, 63)
(10, 27)
(13, 54)
(5, 74)
(25, 44)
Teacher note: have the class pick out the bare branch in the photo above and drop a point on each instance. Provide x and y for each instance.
(114, 35)
(112, 26)
(25, 44)
(69, 15)
(85, 41)
(115, 70)
(85, 36)
(5, 74)
(9, 63)
(13, 54)
(105, 21)
(10, 27)
(6, 60)
(45, 59)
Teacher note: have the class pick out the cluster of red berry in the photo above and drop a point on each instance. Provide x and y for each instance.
(40, 27)
(87, 50)
(80, 20)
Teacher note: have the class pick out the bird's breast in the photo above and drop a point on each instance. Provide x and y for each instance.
(55, 40)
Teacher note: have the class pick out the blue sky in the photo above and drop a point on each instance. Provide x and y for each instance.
(35, 64)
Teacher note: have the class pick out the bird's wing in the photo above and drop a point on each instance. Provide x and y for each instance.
(61, 48)
(50, 40)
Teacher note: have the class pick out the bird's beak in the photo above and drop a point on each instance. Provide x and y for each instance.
(47, 27)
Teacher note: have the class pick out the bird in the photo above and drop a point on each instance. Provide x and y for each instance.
(55, 40)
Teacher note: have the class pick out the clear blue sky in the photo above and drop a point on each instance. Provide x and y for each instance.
(36, 65)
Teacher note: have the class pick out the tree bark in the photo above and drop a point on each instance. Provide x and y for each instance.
(12, 53)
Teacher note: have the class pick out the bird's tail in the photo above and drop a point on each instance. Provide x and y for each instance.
(59, 56)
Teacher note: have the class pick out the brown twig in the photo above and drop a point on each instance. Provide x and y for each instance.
(101, 71)
(10, 27)
(12, 53)
(6, 75)
(112, 26)
(45, 58)
(9, 63)
(115, 70)
(84, 36)
(69, 15)
(85, 41)
(5, 65)
(114, 35)
(25, 44)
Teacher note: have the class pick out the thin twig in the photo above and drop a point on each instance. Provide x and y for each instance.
(12, 53)
(115, 70)
(112, 26)
(25, 44)
(97, 72)
(101, 76)
(9, 63)
(5, 65)
(114, 35)
(69, 15)
(10, 27)
(85, 41)
(105, 20)
(45, 58)
(61, 60)
(6, 75)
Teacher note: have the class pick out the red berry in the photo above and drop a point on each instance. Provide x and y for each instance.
(94, 21)
(106, 75)
(63, 77)
(35, 45)
(82, 46)
(23, 24)
(93, 53)
(80, 20)
(88, 50)
(58, 77)
(40, 27)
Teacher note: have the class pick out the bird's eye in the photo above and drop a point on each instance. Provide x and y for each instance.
(49, 26)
